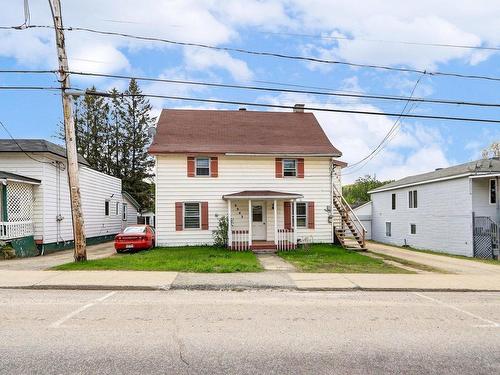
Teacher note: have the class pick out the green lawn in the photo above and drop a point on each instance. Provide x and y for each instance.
(329, 258)
(183, 259)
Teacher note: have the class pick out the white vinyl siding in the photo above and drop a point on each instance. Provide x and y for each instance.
(52, 201)
(443, 219)
(238, 173)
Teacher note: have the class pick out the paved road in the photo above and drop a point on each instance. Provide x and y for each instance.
(254, 332)
(44, 262)
(449, 264)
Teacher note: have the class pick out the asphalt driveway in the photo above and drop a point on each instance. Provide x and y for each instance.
(44, 262)
(452, 265)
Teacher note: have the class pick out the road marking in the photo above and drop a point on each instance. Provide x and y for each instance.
(79, 310)
(491, 323)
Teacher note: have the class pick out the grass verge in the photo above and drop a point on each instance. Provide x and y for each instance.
(330, 258)
(182, 259)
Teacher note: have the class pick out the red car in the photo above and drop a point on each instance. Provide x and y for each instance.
(136, 237)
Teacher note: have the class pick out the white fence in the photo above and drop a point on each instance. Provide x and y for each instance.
(286, 240)
(15, 229)
(240, 240)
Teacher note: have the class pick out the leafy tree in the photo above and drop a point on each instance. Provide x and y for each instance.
(112, 135)
(492, 151)
(357, 193)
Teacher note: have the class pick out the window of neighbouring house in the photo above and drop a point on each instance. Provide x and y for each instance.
(413, 228)
(289, 167)
(106, 208)
(388, 228)
(394, 201)
(117, 208)
(412, 199)
(124, 211)
(202, 166)
(493, 191)
(301, 214)
(192, 215)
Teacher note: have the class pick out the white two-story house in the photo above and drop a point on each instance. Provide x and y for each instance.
(274, 175)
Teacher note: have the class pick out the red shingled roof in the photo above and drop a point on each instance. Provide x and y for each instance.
(248, 132)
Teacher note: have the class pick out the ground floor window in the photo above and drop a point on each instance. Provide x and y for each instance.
(192, 216)
(493, 191)
(124, 212)
(301, 215)
(388, 229)
(413, 228)
(106, 208)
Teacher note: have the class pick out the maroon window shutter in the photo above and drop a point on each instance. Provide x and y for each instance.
(310, 215)
(179, 216)
(278, 168)
(287, 215)
(214, 166)
(300, 168)
(204, 215)
(190, 166)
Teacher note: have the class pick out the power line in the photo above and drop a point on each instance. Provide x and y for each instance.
(271, 89)
(319, 109)
(18, 145)
(429, 44)
(387, 138)
(274, 54)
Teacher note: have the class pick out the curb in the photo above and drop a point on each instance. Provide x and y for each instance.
(209, 287)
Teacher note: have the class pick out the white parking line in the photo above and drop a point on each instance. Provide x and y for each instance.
(491, 323)
(78, 311)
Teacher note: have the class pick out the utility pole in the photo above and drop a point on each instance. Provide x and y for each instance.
(80, 252)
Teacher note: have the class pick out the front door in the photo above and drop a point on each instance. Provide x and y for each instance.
(259, 221)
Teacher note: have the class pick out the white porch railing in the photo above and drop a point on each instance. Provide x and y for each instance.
(10, 230)
(285, 240)
(241, 240)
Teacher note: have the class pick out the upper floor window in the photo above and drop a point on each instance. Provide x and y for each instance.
(412, 199)
(493, 191)
(394, 201)
(202, 166)
(192, 216)
(289, 167)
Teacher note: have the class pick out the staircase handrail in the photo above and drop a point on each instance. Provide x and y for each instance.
(350, 210)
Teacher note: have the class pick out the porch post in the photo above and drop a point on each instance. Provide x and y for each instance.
(229, 226)
(295, 221)
(3, 205)
(250, 222)
(275, 222)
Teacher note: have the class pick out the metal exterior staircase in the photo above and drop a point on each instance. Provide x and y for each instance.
(349, 230)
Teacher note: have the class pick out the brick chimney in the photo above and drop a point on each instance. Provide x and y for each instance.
(298, 107)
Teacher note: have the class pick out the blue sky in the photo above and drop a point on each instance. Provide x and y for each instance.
(419, 145)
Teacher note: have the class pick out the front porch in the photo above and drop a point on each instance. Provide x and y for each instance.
(16, 206)
(262, 221)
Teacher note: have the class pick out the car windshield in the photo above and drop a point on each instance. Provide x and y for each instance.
(135, 230)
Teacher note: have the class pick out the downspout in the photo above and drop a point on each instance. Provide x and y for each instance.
(332, 225)
(4, 203)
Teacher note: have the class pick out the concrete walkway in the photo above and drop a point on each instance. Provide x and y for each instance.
(141, 280)
(272, 262)
(443, 262)
(44, 262)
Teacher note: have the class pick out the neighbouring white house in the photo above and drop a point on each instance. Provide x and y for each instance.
(130, 210)
(274, 175)
(364, 215)
(35, 203)
(147, 217)
(454, 210)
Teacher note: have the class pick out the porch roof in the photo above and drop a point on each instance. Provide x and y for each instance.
(7, 176)
(262, 194)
